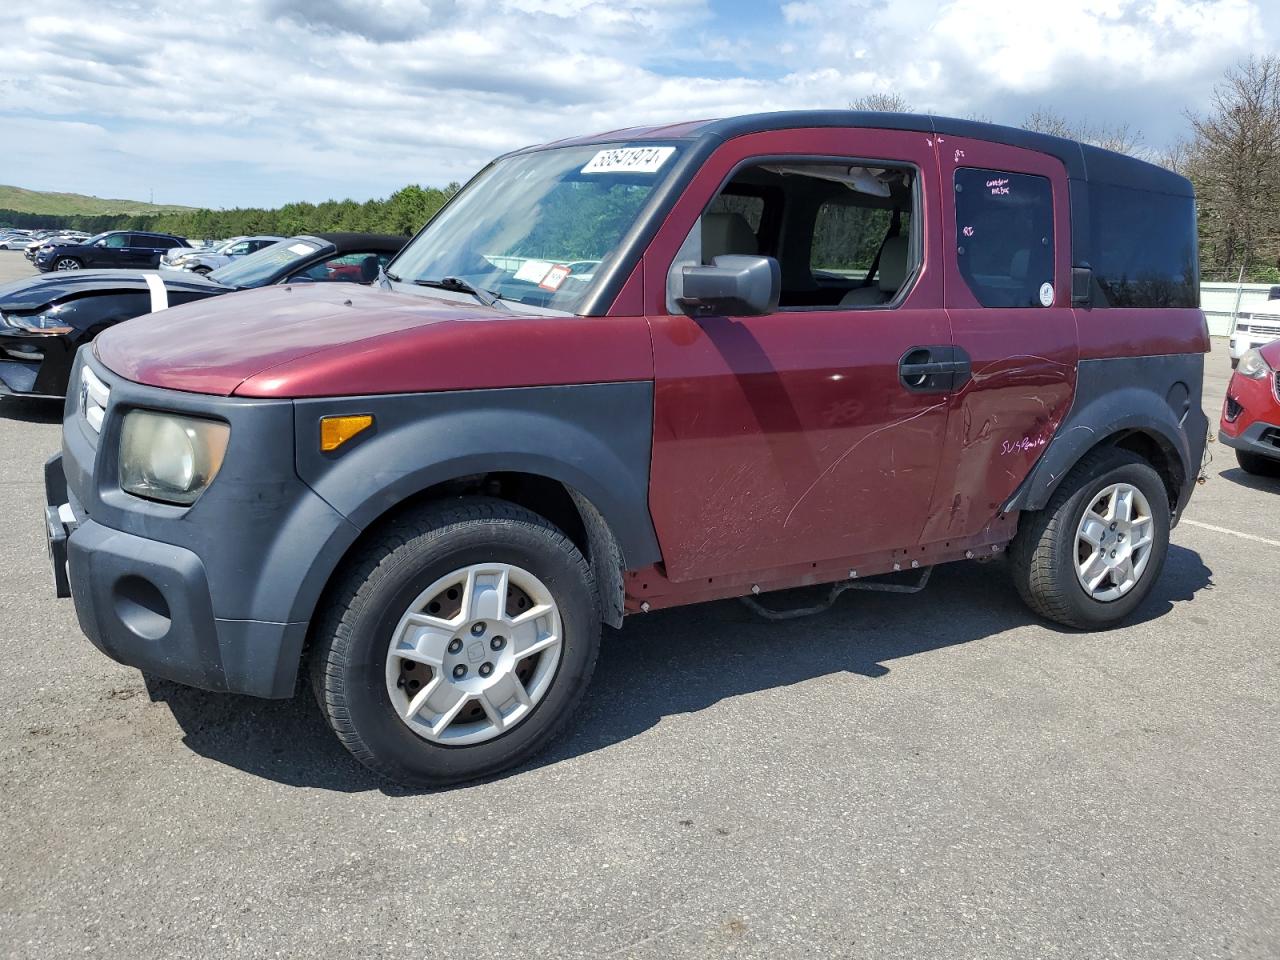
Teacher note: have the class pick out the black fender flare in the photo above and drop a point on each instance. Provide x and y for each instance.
(594, 439)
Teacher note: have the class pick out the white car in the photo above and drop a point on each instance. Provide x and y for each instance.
(1256, 326)
(17, 241)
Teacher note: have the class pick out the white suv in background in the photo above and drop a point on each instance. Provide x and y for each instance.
(1256, 326)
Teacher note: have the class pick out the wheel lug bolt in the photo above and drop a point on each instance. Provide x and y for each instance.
(497, 643)
(455, 645)
(486, 669)
(477, 629)
(459, 672)
(1113, 526)
(1113, 553)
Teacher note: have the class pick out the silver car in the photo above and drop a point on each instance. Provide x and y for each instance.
(203, 261)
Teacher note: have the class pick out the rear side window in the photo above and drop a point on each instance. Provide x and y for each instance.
(1143, 248)
(1004, 237)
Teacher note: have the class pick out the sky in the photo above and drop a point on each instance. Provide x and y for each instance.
(225, 103)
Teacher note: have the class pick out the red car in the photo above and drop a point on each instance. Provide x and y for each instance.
(631, 371)
(1251, 413)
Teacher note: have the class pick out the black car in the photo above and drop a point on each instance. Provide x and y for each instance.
(116, 248)
(44, 320)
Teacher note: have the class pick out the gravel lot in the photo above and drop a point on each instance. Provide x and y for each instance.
(930, 776)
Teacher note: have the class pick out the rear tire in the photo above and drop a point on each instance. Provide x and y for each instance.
(372, 663)
(1257, 464)
(1053, 553)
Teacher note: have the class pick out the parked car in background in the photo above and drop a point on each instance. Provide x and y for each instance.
(116, 248)
(206, 261)
(803, 348)
(1256, 327)
(43, 320)
(1251, 412)
(14, 241)
(174, 259)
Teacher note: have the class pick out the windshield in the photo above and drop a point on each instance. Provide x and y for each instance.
(259, 268)
(536, 227)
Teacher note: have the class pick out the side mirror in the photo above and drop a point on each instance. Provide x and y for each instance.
(734, 285)
(101, 243)
(1081, 286)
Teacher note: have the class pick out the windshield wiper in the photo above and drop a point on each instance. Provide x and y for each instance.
(459, 285)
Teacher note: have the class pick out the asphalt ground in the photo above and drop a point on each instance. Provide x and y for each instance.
(939, 775)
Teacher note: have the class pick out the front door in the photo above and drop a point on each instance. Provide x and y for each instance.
(796, 437)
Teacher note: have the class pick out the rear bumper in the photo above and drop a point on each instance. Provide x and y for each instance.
(147, 604)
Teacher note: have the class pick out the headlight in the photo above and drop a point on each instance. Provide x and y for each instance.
(47, 323)
(168, 457)
(1253, 365)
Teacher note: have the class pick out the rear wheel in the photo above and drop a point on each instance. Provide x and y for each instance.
(458, 644)
(1257, 464)
(66, 263)
(1091, 556)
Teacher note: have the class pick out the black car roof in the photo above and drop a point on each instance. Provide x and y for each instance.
(350, 242)
(1083, 162)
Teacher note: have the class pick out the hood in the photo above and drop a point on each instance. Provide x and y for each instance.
(215, 345)
(34, 293)
(1271, 353)
(343, 339)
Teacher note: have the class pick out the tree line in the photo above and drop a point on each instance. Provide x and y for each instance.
(403, 213)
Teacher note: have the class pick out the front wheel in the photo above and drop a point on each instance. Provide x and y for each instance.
(66, 263)
(1091, 556)
(458, 644)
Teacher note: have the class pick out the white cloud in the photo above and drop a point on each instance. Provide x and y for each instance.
(273, 100)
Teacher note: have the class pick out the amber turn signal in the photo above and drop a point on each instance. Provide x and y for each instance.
(335, 431)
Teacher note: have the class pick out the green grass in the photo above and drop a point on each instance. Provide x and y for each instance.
(75, 204)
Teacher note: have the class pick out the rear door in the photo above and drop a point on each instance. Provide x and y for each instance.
(144, 250)
(1008, 292)
(791, 438)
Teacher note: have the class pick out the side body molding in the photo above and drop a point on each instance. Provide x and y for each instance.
(594, 438)
(1158, 396)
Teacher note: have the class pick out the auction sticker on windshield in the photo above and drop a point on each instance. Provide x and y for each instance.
(629, 160)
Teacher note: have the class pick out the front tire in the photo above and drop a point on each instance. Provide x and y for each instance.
(457, 644)
(66, 263)
(1257, 464)
(1091, 556)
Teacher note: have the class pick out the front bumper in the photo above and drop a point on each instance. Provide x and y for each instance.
(34, 366)
(217, 595)
(1259, 437)
(146, 604)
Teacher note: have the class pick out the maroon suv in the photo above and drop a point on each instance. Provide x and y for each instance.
(631, 371)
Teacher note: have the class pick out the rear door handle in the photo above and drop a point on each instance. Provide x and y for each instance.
(938, 369)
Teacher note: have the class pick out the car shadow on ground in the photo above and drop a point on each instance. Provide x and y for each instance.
(669, 663)
(31, 410)
(1250, 480)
